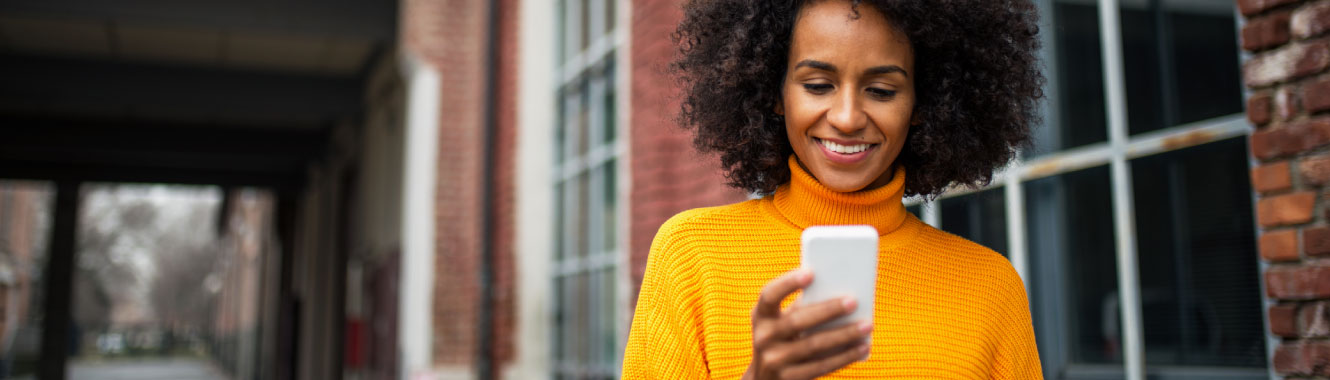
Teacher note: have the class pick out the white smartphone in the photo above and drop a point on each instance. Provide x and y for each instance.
(844, 263)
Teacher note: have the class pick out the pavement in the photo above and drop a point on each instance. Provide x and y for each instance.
(146, 369)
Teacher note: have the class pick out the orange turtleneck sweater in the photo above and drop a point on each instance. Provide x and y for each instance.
(946, 308)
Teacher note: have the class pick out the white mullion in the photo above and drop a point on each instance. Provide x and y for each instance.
(598, 50)
(931, 215)
(1146, 144)
(1123, 207)
(1016, 248)
(1187, 135)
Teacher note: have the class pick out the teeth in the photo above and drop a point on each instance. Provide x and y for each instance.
(844, 149)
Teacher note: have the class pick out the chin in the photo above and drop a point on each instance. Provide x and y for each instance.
(841, 184)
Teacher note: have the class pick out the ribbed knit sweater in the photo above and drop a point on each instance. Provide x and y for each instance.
(946, 308)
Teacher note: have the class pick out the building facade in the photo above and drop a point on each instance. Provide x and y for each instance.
(1166, 220)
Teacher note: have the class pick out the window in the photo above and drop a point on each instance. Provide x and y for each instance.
(587, 251)
(1162, 184)
(979, 217)
(26, 215)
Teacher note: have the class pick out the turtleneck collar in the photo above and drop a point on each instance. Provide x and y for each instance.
(806, 202)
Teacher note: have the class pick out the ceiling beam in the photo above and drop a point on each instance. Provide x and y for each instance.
(52, 149)
(146, 91)
(370, 19)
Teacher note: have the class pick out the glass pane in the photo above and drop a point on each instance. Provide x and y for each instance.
(611, 116)
(594, 320)
(560, 228)
(917, 210)
(582, 328)
(25, 228)
(583, 125)
(560, 305)
(571, 315)
(1078, 77)
(582, 225)
(606, 333)
(1074, 286)
(1178, 57)
(610, 17)
(585, 25)
(1200, 294)
(563, 123)
(165, 283)
(611, 211)
(980, 217)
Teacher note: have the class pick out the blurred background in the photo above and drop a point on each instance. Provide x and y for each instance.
(458, 189)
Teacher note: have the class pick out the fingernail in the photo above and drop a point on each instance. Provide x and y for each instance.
(863, 348)
(805, 275)
(848, 303)
(865, 327)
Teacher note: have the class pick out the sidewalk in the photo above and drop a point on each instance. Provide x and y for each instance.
(147, 369)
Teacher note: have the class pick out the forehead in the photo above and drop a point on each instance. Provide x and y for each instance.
(830, 30)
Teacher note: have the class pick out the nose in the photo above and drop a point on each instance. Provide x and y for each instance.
(847, 114)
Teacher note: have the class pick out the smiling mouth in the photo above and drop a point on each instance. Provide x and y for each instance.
(845, 154)
(842, 148)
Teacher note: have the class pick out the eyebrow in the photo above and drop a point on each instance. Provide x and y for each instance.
(877, 70)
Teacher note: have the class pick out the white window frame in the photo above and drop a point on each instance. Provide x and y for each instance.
(587, 66)
(1117, 152)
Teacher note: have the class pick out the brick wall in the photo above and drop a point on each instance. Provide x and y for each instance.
(668, 175)
(504, 200)
(1289, 104)
(450, 35)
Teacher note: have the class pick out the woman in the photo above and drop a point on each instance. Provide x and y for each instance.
(835, 110)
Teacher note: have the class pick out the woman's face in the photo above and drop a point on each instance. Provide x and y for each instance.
(848, 94)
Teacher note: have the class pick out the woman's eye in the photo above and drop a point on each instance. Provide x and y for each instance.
(817, 88)
(881, 93)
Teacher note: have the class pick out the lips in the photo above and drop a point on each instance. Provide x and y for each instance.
(845, 152)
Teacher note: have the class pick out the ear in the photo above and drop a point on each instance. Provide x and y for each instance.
(779, 109)
(914, 118)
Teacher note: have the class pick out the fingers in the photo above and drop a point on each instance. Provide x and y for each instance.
(821, 345)
(799, 319)
(815, 368)
(768, 302)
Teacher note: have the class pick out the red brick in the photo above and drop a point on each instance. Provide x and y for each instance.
(1286, 103)
(1316, 95)
(1266, 31)
(1314, 319)
(1298, 282)
(1315, 171)
(1266, 144)
(1259, 109)
(1289, 62)
(1303, 358)
(1272, 177)
(1316, 241)
(1311, 20)
(1313, 60)
(1286, 209)
(1251, 7)
(1280, 245)
(1299, 137)
(1284, 320)
(1287, 359)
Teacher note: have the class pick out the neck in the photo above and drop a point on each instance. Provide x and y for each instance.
(806, 202)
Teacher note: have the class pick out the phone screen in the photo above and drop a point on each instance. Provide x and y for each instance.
(844, 263)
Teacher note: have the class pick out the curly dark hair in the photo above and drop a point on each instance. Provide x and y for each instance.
(977, 79)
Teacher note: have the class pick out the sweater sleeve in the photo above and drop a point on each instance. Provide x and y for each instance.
(1018, 355)
(664, 341)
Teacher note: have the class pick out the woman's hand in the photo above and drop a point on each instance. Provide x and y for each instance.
(782, 349)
